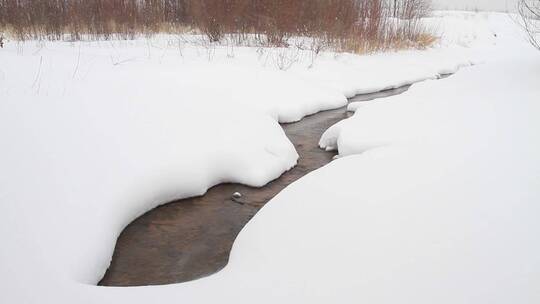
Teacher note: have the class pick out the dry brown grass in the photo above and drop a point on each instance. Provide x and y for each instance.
(425, 40)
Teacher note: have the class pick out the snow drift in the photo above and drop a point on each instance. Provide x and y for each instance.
(441, 206)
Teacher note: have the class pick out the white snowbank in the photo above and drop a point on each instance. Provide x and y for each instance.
(94, 134)
(440, 190)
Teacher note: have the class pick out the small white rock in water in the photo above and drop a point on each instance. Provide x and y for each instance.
(237, 195)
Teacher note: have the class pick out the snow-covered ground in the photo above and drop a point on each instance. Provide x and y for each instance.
(435, 198)
(477, 5)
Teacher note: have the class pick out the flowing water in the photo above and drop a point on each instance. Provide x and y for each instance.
(191, 238)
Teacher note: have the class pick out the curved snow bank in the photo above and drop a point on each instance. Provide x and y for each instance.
(400, 225)
(355, 75)
(437, 200)
(412, 115)
(96, 164)
(96, 134)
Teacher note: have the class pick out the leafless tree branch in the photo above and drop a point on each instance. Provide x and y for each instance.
(530, 13)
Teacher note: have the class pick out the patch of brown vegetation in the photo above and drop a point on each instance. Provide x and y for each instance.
(346, 25)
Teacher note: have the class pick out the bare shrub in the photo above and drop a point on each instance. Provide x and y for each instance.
(346, 25)
(53, 19)
(285, 58)
(530, 13)
(210, 17)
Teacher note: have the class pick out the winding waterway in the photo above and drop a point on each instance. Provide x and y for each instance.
(191, 238)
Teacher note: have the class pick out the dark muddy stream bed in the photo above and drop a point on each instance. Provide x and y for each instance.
(191, 238)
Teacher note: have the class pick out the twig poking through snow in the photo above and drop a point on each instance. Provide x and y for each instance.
(78, 62)
(38, 72)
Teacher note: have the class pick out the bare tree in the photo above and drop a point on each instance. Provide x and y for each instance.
(530, 12)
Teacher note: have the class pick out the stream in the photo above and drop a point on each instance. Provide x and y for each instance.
(191, 238)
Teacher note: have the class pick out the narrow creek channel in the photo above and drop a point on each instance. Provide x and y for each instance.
(191, 238)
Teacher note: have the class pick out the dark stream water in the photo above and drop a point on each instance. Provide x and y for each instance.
(191, 238)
